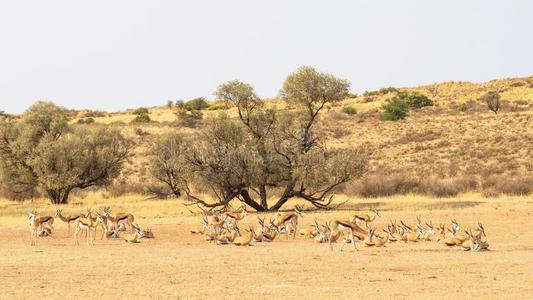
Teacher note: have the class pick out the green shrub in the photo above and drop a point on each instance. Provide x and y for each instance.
(349, 110)
(88, 120)
(463, 106)
(395, 109)
(180, 104)
(196, 104)
(142, 118)
(141, 110)
(189, 118)
(382, 91)
(416, 100)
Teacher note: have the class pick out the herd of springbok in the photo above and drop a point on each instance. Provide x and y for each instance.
(115, 227)
(223, 228)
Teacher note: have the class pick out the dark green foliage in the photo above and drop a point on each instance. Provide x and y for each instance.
(196, 104)
(415, 100)
(142, 118)
(395, 109)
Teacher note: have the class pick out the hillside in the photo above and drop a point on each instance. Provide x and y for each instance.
(458, 143)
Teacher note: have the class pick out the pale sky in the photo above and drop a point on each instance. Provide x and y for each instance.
(113, 55)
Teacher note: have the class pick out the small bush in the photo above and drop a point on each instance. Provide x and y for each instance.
(386, 185)
(189, 118)
(395, 109)
(518, 84)
(196, 104)
(492, 99)
(85, 121)
(463, 107)
(170, 104)
(141, 110)
(140, 132)
(142, 118)
(180, 104)
(349, 110)
(440, 187)
(416, 100)
(351, 95)
(95, 114)
(382, 91)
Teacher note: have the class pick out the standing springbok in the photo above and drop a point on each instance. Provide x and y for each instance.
(288, 221)
(120, 217)
(356, 233)
(68, 218)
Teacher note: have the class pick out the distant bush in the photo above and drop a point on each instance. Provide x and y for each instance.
(142, 118)
(218, 106)
(386, 185)
(85, 121)
(196, 104)
(518, 84)
(416, 100)
(492, 99)
(440, 187)
(189, 118)
(395, 109)
(517, 185)
(463, 107)
(180, 104)
(95, 114)
(141, 110)
(170, 104)
(349, 110)
(382, 91)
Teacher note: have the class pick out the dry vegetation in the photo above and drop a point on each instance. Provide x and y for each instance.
(456, 146)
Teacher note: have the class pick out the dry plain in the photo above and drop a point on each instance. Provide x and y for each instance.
(177, 264)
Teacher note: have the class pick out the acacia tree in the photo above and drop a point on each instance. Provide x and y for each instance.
(266, 150)
(43, 151)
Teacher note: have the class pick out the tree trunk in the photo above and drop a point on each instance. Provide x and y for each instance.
(263, 196)
(251, 202)
(59, 196)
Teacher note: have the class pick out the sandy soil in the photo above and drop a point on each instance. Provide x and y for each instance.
(179, 265)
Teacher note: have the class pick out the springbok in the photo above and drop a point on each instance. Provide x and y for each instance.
(245, 241)
(365, 218)
(356, 233)
(235, 216)
(289, 221)
(68, 218)
(120, 217)
(134, 237)
(87, 224)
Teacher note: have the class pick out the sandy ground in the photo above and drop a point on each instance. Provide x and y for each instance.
(179, 265)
